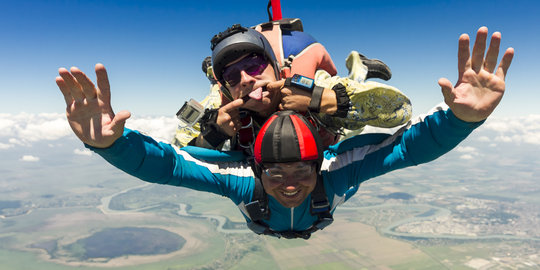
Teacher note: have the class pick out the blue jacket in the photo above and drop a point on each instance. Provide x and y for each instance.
(345, 167)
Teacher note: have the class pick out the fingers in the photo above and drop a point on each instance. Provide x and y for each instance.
(233, 105)
(493, 52)
(505, 63)
(273, 87)
(463, 54)
(229, 117)
(75, 85)
(446, 89)
(71, 85)
(86, 85)
(477, 59)
(104, 88)
(119, 120)
(65, 90)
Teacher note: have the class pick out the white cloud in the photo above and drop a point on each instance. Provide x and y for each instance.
(29, 158)
(468, 152)
(466, 149)
(160, 128)
(20, 129)
(23, 129)
(5, 146)
(503, 138)
(525, 129)
(47, 130)
(484, 139)
(82, 152)
(6, 126)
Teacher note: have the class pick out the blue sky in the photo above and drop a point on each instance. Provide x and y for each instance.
(153, 49)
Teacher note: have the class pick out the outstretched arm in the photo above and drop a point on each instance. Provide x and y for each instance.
(480, 86)
(89, 110)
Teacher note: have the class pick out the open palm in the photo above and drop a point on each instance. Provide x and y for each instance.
(89, 110)
(480, 87)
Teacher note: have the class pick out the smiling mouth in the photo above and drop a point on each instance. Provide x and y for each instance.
(290, 194)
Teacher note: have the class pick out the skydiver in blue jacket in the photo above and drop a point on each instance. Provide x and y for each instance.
(291, 187)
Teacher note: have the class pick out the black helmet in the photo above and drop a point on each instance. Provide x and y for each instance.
(235, 42)
(288, 137)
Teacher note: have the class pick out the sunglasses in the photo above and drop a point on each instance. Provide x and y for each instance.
(253, 65)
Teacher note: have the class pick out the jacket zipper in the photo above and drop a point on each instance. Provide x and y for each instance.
(292, 218)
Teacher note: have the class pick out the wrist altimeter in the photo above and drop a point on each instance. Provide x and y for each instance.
(307, 84)
(300, 82)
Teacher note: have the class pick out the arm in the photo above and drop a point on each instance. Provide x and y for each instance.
(160, 163)
(470, 102)
(350, 104)
(92, 119)
(424, 139)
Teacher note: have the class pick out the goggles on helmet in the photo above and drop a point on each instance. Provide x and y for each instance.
(253, 65)
(300, 171)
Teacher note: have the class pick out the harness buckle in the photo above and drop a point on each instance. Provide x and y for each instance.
(246, 134)
(323, 222)
(257, 211)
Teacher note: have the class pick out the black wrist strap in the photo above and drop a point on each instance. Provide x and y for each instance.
(343, 101)
(287, 82)
(214, 136)
(210, 130)
(316, 97)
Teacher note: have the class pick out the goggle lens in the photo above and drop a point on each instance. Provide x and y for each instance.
(301, 172)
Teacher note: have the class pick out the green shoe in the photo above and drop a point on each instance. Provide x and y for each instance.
(372, 103)
(362, 68)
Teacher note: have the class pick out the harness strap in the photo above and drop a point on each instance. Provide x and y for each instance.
(258, 207)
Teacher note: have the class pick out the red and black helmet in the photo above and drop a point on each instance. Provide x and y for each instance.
(288, 137)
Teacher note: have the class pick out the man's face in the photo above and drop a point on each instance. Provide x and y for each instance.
(289, 183)
(248, 76)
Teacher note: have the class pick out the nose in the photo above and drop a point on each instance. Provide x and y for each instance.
(290, 187)
(246, 79)
(290, 182)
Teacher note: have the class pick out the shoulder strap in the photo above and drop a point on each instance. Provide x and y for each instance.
(319, 200)
(297, 52)
(258, 207)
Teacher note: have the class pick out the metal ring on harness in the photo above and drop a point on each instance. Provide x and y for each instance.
(246, 130)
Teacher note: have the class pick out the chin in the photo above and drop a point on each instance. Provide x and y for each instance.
(262, 107)
(291, 204)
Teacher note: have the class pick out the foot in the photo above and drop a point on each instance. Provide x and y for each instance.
(362, 68)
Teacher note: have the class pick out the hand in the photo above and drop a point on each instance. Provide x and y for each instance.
(291, 98)
(229, 117)
(298, 100)
(478, 90)
(89, 110)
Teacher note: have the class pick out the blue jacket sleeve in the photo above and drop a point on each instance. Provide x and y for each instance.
(425, 139)
(154, 162)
